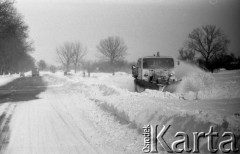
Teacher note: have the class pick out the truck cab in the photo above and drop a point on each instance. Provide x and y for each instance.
(154, 72)
(35, 72)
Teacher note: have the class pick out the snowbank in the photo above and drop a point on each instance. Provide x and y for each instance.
(196, 84)
(114, 94)
(205, 85)
(4, 79)
(118, 91)
(154, 107)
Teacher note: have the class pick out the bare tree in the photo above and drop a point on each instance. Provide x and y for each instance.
(112, 48)
(14, 40)
(65, 55)
(209, 41)
(52, 68)
(78, 53)
(42, 65)
(187, 55)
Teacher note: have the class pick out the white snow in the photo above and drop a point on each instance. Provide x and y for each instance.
(4, 79)
(195, 82)
(103, 114)
(118, 91)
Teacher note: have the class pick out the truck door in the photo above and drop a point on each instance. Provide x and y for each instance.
(139, 67)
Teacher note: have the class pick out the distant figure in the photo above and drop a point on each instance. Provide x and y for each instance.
(65, 73)
(22, 74)
(88, 73)
(35, 72)
(83, 73)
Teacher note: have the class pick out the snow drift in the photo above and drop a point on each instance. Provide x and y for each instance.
(114, 95)
(205, 85)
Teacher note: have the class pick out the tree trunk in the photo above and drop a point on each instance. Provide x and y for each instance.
(208, 66)
(75, 68)
(67, 68)
(112, 67)
(207, 63)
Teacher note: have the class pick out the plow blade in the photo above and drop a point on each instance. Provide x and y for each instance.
(172, 87)
(141, 85)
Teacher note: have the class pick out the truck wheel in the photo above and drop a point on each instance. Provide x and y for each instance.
(139, 88)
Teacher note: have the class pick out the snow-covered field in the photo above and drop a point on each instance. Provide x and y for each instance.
(103, 114)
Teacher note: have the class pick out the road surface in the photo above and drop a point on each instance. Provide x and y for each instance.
(37, 118)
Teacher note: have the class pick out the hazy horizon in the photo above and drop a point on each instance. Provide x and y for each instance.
(145, 26)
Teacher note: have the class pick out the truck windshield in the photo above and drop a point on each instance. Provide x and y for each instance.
(158, 63)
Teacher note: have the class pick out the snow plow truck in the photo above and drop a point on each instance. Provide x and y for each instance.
(35, 72)
(155, 72)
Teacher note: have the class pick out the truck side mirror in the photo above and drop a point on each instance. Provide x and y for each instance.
(133, 67)
(134, 71)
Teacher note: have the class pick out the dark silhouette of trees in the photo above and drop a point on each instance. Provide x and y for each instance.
(52, 68)
(209, 41)
(42, 65)
(14, 43)
(113, 49)
(187, 55)
(26, 63)
(227, 61)
(121, 66)
(104, 66)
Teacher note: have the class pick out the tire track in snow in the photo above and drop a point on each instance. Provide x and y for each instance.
(5, 119)
(72, 129)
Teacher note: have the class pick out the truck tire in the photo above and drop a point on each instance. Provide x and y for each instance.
(138, 88)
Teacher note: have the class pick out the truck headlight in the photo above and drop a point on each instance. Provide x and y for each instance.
(145, 74)
(171, 74)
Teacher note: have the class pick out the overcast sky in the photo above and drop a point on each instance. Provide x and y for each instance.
(146, 26)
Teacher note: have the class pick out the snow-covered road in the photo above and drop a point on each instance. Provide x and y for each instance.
(100, 114)
(50, 126)
(38, 118)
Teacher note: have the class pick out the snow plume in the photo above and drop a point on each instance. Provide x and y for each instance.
(198, 84)
(194, 80)
(186, 69)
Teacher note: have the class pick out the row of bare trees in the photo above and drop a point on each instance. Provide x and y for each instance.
(71, 53)
(205, 46)
(112, 49)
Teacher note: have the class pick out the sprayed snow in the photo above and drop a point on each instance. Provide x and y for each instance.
(204, 85)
